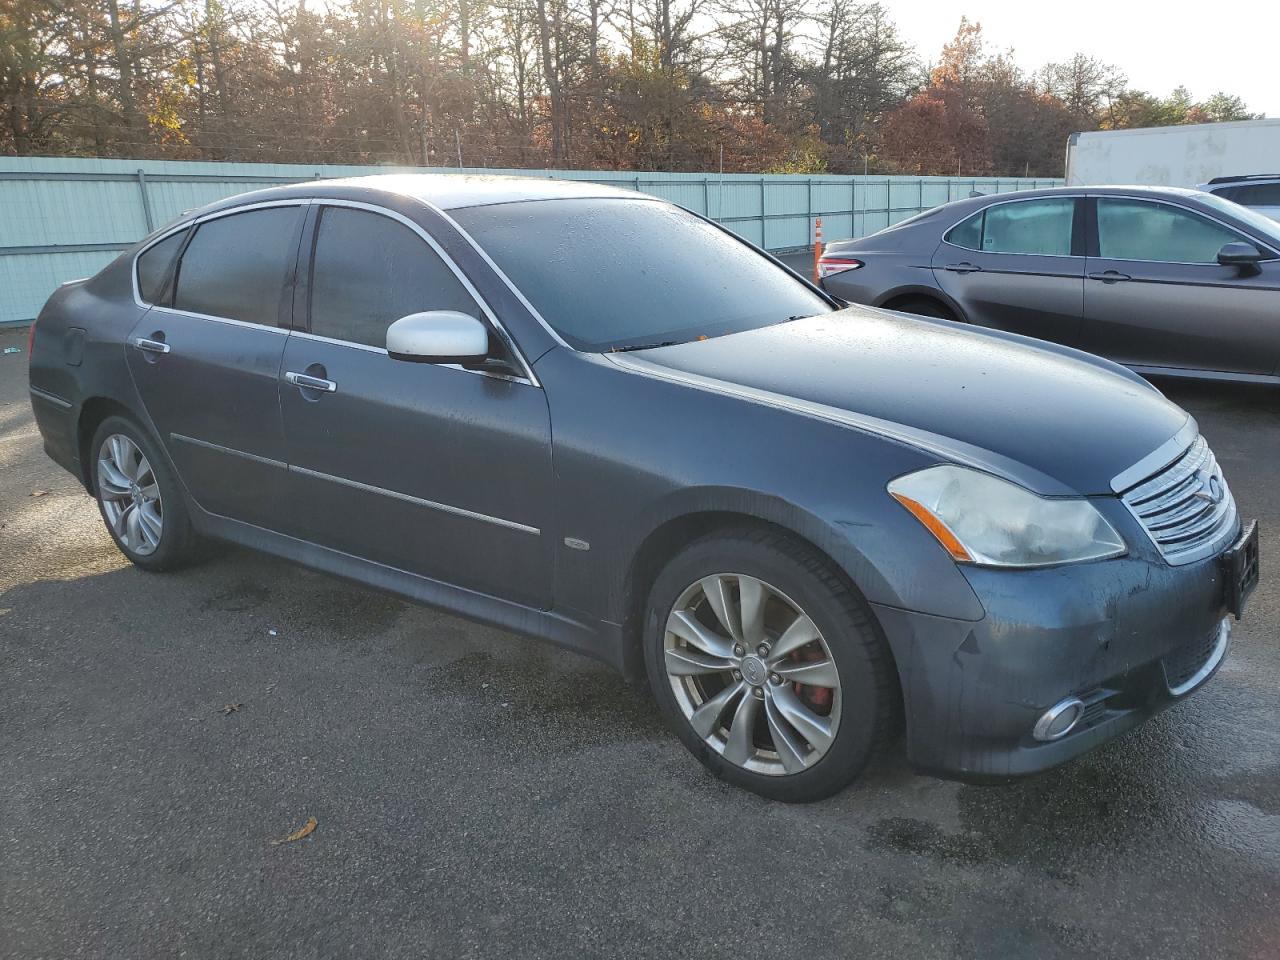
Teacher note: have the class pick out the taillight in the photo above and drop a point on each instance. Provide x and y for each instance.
(829, 266)
(31, 338)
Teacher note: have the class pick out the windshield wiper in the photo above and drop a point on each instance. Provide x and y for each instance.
(643, 346)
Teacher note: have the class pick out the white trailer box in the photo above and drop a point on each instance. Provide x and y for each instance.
(1183, 156)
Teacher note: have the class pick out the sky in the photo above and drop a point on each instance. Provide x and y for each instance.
(1159, 46)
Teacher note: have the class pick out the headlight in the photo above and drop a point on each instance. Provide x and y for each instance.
(981, 519)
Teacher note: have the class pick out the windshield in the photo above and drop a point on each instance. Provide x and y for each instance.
(612, 274)
(1261, 224)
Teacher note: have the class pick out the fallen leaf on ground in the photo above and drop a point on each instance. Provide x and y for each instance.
(38, 493)
(306, 831)
(231, 708)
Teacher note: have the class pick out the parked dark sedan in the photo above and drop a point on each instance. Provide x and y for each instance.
(1165, 281)
(595, 418)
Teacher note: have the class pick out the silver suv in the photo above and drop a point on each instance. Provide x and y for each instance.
(1259, 192)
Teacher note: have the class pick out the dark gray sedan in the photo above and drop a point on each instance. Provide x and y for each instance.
(595, 418)
(1165, 281)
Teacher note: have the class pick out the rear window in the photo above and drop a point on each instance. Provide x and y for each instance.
(611, 273)
(154, 265)
(235, 266)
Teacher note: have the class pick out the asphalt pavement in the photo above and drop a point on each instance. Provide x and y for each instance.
(481, 795)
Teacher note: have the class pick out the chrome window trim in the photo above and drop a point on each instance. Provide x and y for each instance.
(529, 376)
(1185, 209)
(219, 448)
(307, 335)
(191, 224)
(282, 331)
(480, 301)
(419, 501)
(1000, 203)
(533, 311)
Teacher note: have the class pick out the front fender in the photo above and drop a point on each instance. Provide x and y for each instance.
(667, 452)
(870, 548)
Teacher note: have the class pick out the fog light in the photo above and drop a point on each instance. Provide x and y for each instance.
(1059, 720)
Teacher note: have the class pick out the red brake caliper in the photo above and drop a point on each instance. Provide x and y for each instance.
(817, 697)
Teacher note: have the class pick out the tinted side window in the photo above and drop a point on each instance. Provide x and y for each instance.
(153, 269)
(235, 266)
(1257, 195)
(967, 234)
(370, 271)
(1140, 230)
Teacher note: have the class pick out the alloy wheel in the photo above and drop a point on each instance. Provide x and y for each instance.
(130, 494)
(752, 674)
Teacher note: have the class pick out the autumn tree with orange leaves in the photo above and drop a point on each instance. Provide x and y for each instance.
(740, 85)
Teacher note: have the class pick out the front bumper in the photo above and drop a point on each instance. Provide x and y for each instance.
(1128, 637)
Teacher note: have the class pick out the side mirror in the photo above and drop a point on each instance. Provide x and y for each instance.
(1243, 255)
(438, 336)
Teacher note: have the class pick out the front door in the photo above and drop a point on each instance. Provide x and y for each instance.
(1156, 295)
(1011, 266)
(431, 469)
(206, 359)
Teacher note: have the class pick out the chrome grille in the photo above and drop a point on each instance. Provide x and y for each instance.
(1186, 508)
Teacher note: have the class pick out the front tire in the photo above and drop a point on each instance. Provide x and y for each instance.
(768, 665)
(139, 498)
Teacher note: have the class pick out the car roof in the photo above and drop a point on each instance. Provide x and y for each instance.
(1101, 190)
(447, 191)
(450, 191)
(1244, 178)
(957, 210)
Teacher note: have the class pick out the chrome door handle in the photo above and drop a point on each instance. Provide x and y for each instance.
(151, 346)
(1110, 276)
(310, 382)
(965, 267)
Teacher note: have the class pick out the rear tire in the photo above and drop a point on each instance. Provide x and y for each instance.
(924, 307)
(139, 497)
(839, 686)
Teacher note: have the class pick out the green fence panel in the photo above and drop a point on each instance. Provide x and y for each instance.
(66, 217)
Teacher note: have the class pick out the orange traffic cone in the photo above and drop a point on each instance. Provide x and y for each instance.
(817, 247)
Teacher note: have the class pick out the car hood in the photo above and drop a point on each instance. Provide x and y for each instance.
(1053, 419)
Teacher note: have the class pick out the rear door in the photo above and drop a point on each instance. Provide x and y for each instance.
(1018, 265)
(427, 468)
(206, 356)
(1155, 294)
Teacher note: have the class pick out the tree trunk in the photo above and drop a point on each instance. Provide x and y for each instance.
(125, 71)
(551, 75)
